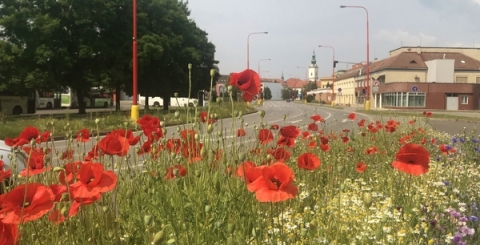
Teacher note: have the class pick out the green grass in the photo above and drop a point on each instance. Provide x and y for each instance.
(70, 122)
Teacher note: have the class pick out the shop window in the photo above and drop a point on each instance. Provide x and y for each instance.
(461, 79)
(464, 99)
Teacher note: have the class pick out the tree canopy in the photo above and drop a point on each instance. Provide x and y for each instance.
(81, 44)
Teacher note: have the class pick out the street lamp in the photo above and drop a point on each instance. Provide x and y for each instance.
(333, 71)
(248, 46)
(367, 102)
(134, 114)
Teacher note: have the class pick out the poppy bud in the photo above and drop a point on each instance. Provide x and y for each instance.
(177, 114)
(179, 129)
(63, 211)
(340, 168)
(240, 113)
(105, 209)
(229, 88)
(212, 72)
(57, 169)
(208, 208)
(219, 223)
(197, 173)
(219, 133)
(203, 152)
(284, 117)
(219, 99)
(147, 219)
(175, 95)
(189, 66)
(262, 113)
(97, 121)
(241, 156)
(367, 199)
(162, 124)
(303, 232)
(209, 128)
(158, 238)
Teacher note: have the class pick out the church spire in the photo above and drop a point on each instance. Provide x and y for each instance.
(314, 61)
(283, 79)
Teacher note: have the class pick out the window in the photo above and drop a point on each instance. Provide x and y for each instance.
(403, 99)
(477, 80)
(464, 99)
(460, 79)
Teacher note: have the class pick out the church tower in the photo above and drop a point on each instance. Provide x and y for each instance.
(313, 69)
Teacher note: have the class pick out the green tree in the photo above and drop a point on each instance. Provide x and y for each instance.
(286, 93)
(268, 93)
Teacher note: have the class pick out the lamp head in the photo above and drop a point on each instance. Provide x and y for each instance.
(266, 32)
(342, 6)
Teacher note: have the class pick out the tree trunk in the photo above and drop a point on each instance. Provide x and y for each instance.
(81, 102)
(117, 97)
(147, 102)
(166, 103)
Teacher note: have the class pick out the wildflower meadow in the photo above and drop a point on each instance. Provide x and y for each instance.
(387, 181)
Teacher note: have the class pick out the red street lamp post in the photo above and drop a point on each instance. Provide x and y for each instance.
(134, 112)
(248, 46)
(333, 72)
(367, 102)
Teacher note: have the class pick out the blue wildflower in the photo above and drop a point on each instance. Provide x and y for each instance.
(475, 141)
(473, 218)
(462, 140)
(454, 140)
(447, 183)
(448, 147)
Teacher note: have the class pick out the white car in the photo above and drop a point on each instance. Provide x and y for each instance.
(6, 150)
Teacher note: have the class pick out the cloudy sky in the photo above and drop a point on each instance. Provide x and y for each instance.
(296, 28)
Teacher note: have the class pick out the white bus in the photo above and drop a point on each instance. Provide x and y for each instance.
(96, 97)
(12, 103)
(45, 99)
(158, 101)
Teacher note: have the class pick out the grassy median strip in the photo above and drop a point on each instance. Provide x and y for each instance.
(71, 122)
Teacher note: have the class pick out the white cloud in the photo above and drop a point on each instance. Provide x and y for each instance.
(403, 38)
(476, 1)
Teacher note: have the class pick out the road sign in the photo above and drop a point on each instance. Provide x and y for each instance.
(339, 89)
(414, 88)
(377, 83)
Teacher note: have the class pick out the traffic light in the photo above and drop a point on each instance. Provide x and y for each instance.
(335, 63)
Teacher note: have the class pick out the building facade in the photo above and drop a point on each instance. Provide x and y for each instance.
(416, 78)
(313, 69)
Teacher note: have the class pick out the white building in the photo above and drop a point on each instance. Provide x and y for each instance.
(313, 69)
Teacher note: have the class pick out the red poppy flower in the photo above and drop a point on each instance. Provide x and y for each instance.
(286, 141)
(67, 154)
(361, 123)
(361, 167)
(371, 150)
(83, 135)
(35, 162)
(305, 134)
(43, 137)
(391, 126)
(249, 171)
(4, 174)
(203, 116)
(175, 171)
(313, 127)
(128, 134)
(58, 191)
(174, 145)
(412, 159)
(241, 132)
(352, 116)
(10, 234)
(27, 202)
(280, 154)
(274, 127)
(427, 114)
(191, 151)
(290, 131)
(188, 135)
(308, 161)
(411, 122)
(146, 148)
(317, 118)
(248, 82)
(345, 139)
(312, 144)
(149, 121)
(114, 144)
(349, 149)
(93, 180)
(445, 149)
(275, 184)
(29, 133)
(265, 136)
(325, 147)
(324, 140)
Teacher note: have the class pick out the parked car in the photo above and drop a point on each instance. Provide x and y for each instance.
(289, 100)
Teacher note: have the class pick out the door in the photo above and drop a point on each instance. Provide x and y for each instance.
(452, 102)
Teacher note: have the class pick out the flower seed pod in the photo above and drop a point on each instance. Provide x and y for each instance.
(367, 199)
(262, 113)
(212, 72)
(177, 114)
(241, 156)
(209, 128)
(147, 219)
(158, 238)
(229, 88)
(189, 66)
